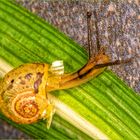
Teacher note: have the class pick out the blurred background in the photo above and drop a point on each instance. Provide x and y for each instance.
(119, 32)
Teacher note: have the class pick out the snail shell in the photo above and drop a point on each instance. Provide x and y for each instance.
(22, 95)
(22, 108)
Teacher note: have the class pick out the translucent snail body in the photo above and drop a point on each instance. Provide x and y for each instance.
(23, 91)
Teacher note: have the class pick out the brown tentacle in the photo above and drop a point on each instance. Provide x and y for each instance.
(81, 79)
(116, 62)
(89, 71)
(97, 32)
(89, 29)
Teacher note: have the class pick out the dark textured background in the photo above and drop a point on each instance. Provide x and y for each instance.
(119, 31)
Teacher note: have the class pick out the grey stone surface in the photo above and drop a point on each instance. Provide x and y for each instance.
(119, 31)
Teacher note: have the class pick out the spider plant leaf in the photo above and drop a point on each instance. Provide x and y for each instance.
(103, 108)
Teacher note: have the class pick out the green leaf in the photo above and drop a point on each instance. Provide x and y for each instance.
(103, 108)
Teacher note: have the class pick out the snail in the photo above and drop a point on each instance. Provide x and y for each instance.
(23, 91)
